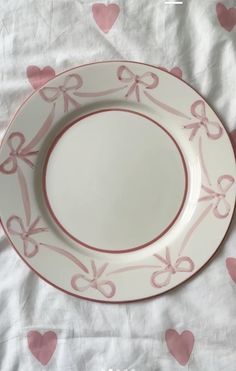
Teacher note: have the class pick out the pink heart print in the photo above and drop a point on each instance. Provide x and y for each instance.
(105, 15)
(180, 345)
(233, 139)
(231, 266)
(42, 346)
(38, 77)
(226, 17)
(176, 71)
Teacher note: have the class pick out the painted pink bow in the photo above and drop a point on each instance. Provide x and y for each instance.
(16, 227)
(149, 80)
(15, 143)
(80, 282)
(162, 277)
(222, 207)
(212, 128)
(71, 84)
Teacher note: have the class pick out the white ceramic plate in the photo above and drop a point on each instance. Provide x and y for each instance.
(117, 181)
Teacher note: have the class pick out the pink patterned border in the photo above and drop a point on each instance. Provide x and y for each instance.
(224, 183)
(133, 83)
(162, 274)
(212, 129)
(18, 151)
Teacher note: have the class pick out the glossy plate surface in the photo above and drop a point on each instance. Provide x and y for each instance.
(117, 181)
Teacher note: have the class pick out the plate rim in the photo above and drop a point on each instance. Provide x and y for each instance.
(191, 277)
(187, 278)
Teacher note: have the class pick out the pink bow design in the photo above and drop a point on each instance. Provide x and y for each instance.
(162, 277)
(71, 84)
(212, 128)
(16, 227)
(149, 80)
(222, 207)
(15, 143)
(80, 282)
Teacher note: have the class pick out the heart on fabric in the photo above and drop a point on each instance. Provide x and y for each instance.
(231, 267)
(42, 346)
(233, 139)
(226, 17)
(180, 345)
(176, 71)
(38, 77)
(105, 15)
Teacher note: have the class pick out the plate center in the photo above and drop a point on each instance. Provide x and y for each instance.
(115, 180)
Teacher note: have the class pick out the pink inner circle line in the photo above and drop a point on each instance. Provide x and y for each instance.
(52, 146)
(76, 295)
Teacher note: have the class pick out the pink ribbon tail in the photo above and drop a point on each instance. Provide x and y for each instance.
(193, 228)
(67, 255)
(99, 93)
(24, 195)
(194, 127)
(165, 106)
(203, 165)
(41, 133)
